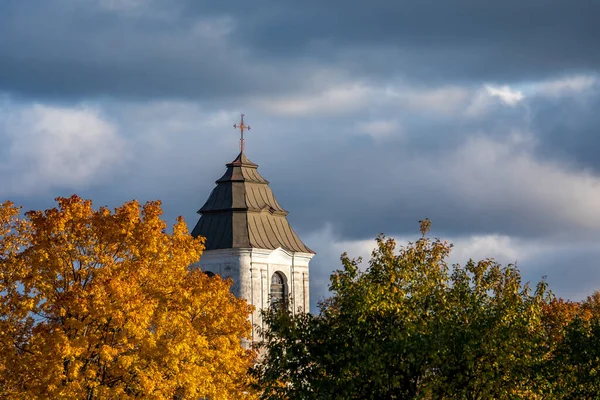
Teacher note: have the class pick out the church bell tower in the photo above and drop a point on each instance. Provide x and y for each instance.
(249, 239)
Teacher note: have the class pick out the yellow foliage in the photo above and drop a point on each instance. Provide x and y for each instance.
(101, 304)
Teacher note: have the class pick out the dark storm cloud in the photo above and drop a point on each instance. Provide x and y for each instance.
(568, 129)
(79, 49)
(65, 49)
(464, 39)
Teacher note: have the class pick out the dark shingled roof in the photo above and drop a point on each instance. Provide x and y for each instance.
(241, 212)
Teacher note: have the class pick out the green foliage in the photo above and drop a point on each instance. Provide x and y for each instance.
(411, 327)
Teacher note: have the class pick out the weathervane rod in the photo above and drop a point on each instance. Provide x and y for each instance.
(242, 127)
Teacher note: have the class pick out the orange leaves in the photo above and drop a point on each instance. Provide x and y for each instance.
(102, 304)
(558, 314)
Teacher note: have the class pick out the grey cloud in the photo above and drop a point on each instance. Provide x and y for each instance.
(463, 40)
(572, 273)
(567, 128)
(75, 49)
(77, 52)
(323, 172)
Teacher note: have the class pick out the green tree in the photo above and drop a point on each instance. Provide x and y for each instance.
(408, 327)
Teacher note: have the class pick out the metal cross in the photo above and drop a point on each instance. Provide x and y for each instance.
(242, 127)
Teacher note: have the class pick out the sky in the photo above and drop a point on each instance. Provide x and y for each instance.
(366, 118)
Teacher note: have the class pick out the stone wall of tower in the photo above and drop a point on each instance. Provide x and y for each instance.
(251, 271)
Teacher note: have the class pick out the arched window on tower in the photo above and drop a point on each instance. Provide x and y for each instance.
(278, 290)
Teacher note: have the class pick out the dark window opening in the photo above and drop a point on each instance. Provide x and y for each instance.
(278, 290)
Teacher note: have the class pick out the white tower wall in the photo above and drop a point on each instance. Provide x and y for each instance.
(251, 271)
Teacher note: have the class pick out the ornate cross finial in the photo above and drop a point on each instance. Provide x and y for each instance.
(242, 127)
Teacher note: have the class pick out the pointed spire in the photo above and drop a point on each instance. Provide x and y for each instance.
(242, 212)
(242, 160)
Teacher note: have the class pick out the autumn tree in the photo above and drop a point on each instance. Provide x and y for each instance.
(573, 362)
(410, 326)
(98, 304)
